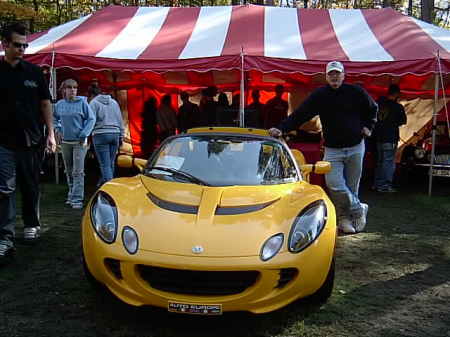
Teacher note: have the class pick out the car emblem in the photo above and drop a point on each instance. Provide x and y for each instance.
(197, 249)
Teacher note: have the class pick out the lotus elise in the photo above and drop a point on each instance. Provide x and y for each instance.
(219, 219)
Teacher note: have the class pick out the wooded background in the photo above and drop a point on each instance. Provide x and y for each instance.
(40, 15)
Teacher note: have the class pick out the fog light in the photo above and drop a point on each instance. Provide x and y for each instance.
(130, 240)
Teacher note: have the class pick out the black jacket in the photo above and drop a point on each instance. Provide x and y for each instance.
(343, 113)
(391, 115)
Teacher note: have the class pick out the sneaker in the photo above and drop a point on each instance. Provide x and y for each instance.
(68, 202)
(6, 251)
(360, 222)
(77, 205)
(346, 226)
(31, 233)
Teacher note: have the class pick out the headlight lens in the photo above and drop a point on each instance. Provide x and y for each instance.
(104, 217)
(307, 226)
(271, 247)
(130, 240)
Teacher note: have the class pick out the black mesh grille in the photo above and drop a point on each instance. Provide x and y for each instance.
(114, 267)
(198, 282)
(286, 276)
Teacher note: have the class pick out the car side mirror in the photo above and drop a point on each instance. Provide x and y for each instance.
(320, 167)
(126, 161)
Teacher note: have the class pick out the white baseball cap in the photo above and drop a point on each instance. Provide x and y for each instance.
(335, 65)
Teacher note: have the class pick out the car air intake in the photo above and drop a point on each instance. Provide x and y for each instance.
(286, 276)
(192, 282)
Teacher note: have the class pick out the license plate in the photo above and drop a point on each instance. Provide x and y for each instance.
(195, 309)
(441, 173)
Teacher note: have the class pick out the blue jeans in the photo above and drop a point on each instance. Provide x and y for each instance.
(73, 157)
(19, 167)
(385, 168)
(343, 179)
(106, 146)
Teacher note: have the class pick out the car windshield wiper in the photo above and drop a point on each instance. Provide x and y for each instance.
(179, 173)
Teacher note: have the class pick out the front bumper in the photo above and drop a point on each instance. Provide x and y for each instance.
(279, 281)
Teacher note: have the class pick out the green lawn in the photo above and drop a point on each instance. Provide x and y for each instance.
(392, 280)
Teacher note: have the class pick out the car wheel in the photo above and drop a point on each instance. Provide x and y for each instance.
(324, 292)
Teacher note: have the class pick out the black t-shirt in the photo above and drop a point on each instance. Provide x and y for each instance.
(343, 113)
(22, 88)
(391, 115)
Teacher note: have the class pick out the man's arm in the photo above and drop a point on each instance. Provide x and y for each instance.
(47, 114)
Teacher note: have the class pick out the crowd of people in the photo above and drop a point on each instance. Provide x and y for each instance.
(348, 115)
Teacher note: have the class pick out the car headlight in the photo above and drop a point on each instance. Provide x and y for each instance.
(130, 240)
(419, 153)
(104, 217)
(307, 226)
(271, 247)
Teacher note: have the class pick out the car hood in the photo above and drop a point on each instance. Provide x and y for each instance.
(193, 220)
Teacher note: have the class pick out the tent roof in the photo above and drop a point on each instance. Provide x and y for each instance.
(287, 40)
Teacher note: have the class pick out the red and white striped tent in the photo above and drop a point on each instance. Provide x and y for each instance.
(187, 48)
(292, 43)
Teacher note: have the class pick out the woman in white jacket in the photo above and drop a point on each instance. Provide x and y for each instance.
(108, 132)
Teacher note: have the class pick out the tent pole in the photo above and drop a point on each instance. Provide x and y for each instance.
(242, 95)
(54, 93)
(433, 132)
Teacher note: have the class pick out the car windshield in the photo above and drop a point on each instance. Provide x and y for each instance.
(223, 160)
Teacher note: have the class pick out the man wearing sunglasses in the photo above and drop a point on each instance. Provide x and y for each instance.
(24, 109)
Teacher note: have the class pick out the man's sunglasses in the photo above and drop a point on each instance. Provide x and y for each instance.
(20, 45)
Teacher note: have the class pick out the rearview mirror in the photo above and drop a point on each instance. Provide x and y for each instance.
(126, 161)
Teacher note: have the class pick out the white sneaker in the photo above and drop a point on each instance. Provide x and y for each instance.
(360, 222)
(346, 226)
(32, 233)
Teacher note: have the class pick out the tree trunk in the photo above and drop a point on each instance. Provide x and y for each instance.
(427, 7)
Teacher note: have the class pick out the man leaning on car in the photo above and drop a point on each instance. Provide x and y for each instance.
(24, 104)
(347, 114)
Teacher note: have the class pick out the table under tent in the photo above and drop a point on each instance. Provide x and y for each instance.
(142, 51)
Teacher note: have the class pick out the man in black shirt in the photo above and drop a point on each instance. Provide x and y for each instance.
(24, 109)
(390, 117)
(188, 113)
(347, 114)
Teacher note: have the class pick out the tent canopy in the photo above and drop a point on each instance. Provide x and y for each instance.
(272, 39)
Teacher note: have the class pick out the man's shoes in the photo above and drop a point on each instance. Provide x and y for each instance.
(68, 202)
(6, 251)
(31, 234)
(360, 222)
(77, 205)
(345, 225)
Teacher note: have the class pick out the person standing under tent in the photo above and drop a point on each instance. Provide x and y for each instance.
(108, 132)
(188, 113)
(25, 107)
(254, 112)
(386, 134)
(348, 114)
(149, 135)
(74, 122)
(276, 109)
(166, 118)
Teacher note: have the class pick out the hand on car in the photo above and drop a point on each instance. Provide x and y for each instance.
(274, 132)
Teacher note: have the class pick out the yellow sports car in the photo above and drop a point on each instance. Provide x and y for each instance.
(221, 219)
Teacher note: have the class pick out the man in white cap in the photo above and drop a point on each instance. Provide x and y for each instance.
(348, 114)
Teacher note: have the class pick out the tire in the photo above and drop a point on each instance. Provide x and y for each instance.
(324, 292)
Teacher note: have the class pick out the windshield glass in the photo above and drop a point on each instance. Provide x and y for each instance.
(222, 160)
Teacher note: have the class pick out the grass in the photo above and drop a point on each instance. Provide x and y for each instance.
(392, 280)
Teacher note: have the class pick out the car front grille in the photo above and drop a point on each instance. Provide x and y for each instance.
(192, 282)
